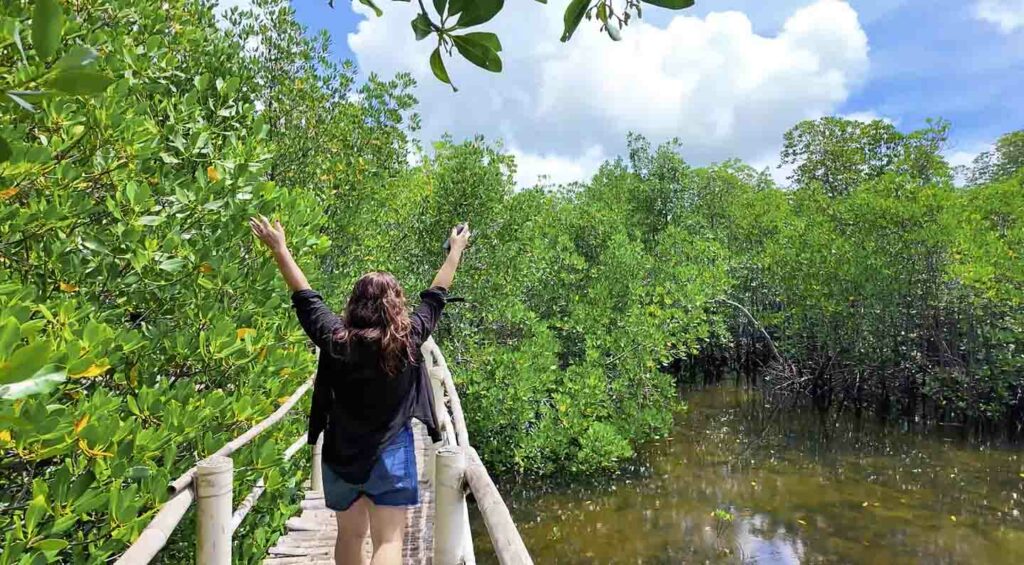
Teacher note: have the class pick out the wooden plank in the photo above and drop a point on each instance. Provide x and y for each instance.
(300, 524)
(297, 561)
(313, 504)
(295, 543)
(318, 515)
(297, 551)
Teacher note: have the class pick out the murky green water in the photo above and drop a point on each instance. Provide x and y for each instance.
(788, 488)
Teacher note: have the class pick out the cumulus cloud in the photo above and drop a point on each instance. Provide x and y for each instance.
(867, 116)
(1008, 15)
(551, 169)
(724, 90)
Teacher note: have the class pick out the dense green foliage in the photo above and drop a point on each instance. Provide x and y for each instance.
(128, 269)
(152, 330)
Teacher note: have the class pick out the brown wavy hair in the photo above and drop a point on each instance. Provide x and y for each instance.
(376, 315)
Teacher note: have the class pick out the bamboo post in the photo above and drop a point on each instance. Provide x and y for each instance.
(316, 475)
(451, 525)
(213, 524)
(508, 544)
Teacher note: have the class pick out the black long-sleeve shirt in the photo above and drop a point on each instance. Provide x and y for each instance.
(357, 406)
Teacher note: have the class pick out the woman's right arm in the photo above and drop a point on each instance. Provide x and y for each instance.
(432, 300)
(446, 274)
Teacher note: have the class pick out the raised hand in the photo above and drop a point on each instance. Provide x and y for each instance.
(272, 235)
(458, 240)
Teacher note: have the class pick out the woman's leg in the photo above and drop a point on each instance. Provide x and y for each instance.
(387, 529)
(352, 526)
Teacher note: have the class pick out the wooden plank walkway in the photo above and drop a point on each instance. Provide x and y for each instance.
(311, 535)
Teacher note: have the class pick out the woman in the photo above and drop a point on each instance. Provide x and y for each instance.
(371, 380)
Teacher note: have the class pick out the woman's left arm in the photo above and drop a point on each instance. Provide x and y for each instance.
(272, 235)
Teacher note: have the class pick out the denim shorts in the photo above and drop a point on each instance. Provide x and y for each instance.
(392, 481)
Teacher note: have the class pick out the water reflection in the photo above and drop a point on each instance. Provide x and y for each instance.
(739, 483)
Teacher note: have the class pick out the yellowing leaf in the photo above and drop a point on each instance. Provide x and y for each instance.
(68, 287)
(133, 375)
(8, 193)
(212, 174)
(94, 370)
(285, 372)
(80, 424)
(205, 268)
(5, 436)
(263, 353)
(92, 452)
(242, 332)
(282, 400)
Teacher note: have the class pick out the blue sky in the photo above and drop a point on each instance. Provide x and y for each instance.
(962, 61)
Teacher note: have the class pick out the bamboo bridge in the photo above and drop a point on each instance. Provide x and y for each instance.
(437, 531)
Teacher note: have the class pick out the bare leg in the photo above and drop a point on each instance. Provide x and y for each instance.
(387, 529)
(352, 528)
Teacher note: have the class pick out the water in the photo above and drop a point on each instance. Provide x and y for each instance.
(788, 487)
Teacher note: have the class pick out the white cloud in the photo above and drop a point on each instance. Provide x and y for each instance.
(867, 116)
(960, 159)
(553, 169)
(1007, 14)
(722, 89)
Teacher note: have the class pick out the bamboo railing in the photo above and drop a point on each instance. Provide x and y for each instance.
(455, 467)
(210, 482)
